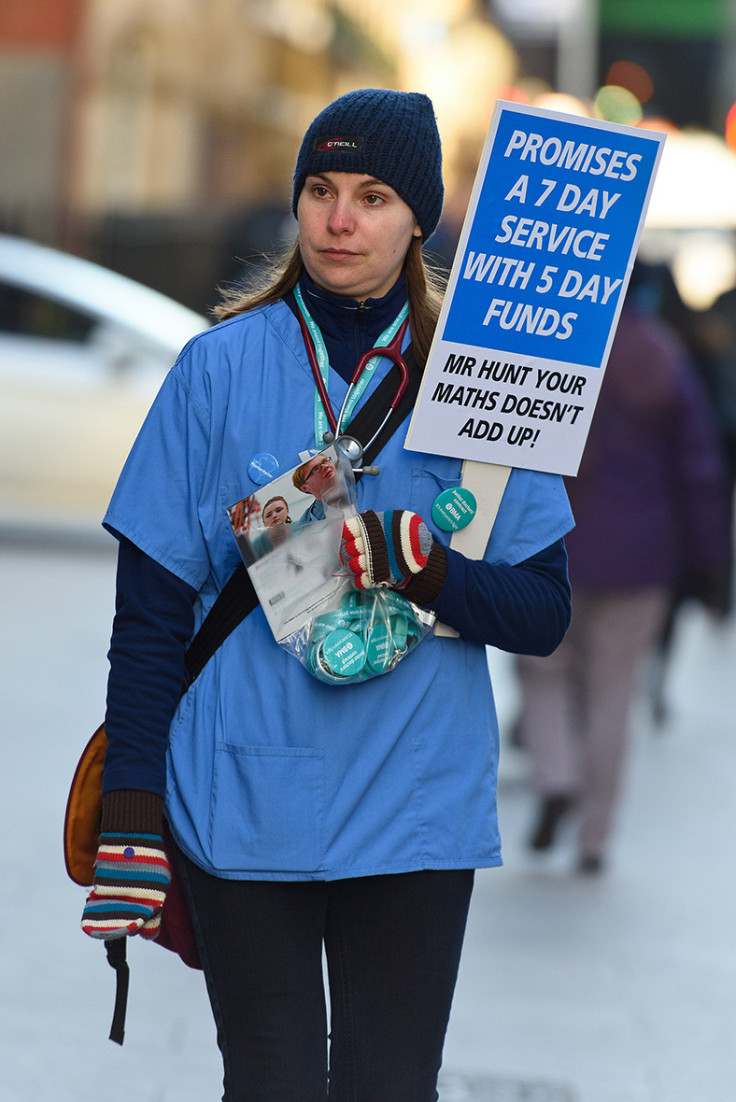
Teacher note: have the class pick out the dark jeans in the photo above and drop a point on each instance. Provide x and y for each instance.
(393, 948)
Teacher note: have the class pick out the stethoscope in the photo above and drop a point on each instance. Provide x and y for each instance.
(348, 445)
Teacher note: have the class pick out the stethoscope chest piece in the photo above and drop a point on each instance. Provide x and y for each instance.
(352, 450)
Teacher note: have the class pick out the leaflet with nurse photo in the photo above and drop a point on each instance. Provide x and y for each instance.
(288, 534)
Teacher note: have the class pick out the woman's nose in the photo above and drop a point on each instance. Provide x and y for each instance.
(341, 217)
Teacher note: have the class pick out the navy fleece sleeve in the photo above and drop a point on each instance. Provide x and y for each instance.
(154, 619)
(524, 609)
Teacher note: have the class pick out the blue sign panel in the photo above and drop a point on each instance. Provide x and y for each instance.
(550, 245)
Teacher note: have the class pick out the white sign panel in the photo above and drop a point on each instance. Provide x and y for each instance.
(536, 289)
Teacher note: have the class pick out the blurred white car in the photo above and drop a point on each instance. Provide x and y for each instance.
(83, 352)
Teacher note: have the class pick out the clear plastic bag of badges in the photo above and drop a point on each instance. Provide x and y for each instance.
(289, 535)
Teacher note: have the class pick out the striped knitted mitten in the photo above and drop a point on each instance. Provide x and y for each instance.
(386, 549)
(131, 877)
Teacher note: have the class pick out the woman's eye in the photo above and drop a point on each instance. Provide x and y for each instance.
(374, 200)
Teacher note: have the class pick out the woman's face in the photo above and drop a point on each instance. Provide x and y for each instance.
(275, 512)
(354, 233)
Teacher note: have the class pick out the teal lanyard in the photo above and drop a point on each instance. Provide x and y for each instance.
(321, 422)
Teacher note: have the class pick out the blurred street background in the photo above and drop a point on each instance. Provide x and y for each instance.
(146, 155)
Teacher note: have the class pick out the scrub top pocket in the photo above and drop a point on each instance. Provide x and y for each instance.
(268, 809)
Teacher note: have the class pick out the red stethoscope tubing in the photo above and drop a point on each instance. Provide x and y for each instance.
(391, 351)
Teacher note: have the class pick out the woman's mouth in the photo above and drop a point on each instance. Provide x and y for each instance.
(338, 254)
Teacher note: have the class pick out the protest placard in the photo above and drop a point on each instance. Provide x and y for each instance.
(536, 289)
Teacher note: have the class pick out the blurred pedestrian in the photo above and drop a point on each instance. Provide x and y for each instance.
(309, 816)
(717, 339)
(652, 518)
(709, 337)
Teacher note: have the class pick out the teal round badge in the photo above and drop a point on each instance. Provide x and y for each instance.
(343, 653)
(453, 509)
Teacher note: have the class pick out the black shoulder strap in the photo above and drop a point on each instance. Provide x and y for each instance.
(235, 601)
(238, 597)
(116, 959)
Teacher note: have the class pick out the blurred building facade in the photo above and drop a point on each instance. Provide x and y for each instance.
(159, 139)
(149, 136)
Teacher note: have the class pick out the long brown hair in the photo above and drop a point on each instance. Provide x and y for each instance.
(425, 287)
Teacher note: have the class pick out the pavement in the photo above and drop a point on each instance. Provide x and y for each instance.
(615, 988)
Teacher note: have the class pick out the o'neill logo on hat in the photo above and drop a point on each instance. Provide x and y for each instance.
(349, 143)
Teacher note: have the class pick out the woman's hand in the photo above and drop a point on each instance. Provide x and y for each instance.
(132, 875)
(396, 549)
(385, 549)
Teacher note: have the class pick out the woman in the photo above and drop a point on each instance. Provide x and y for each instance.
(307, 815)
(276, 512)
(276, 521)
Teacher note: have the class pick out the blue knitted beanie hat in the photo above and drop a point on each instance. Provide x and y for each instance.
(390, 135)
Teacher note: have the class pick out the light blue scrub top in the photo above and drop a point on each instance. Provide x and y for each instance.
(272, 774)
